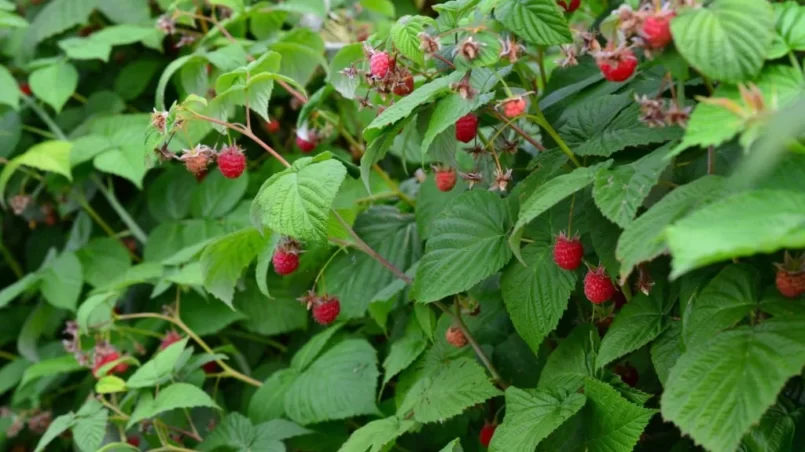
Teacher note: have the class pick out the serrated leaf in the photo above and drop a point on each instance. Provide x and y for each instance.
(305, 356)
(236, 432)
(644, 238)
(536, 296)
(375, 435)
(531, 415)
(405, 36)
(726, 41)
(177, 395)
(110, 384)
(619, 192)
(54, 84)
(611, 423)
(62, 281)
(666, 350)
(403, 352)
(572, 361)
(159, 369)
(127, 162)
(59, 425)
(447, 392)
(346, 58)
(59, 15)
(790, 27)
(539, 22)
(468, 244)
(217, 195)
(718, 390)
(223, 261)
(350, 366)
(297, 201)
(453, 446)
(90, 426)
(727, 299)
(639, 322)
(269, 400)
(280, 313)
(775, 431)
(761, 221)
(103, 259)
(51, 156)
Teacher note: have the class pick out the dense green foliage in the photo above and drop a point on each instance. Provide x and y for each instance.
(375, 225)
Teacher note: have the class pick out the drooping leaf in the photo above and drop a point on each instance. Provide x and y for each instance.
(103, 259)
(611, 423)
(639, 322)
(719, 389)
(572, 361)
(127, 162)
(60, 15)
(536, 296)
(46, 156)
(10, 292)
(223, 261)
(468, 244)
(349, 56)
(54, 84)
(539, 22)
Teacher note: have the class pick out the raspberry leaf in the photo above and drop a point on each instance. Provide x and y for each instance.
(666, 350)
(237, 431)
(790, 29)
(448, 110)
(375, 435)
(223, 261)
(349, 55)
(404, 351)
(159, 369)
(611, 423)
(177, 395)
(536, 296)
(53, 156)
(268, 402)
(405, 33)
(9, 92)
(280, 313)
(572, 361)
(745, 367)
(537, 21)
(468, 244)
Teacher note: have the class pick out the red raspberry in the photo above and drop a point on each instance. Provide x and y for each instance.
(379, 64)
(25, 89)
(569, 8)
(231, 161)
(405, 86)
(170, 338)
(305, 145)
(286, 257)
(326, 310)
(790, 285)
(133, 440)
(211, 367)
(466, 128)
(597, 286)
(619, 67)
(568, 252)
(486, 434)
(272, 126)
(102, 359)
(513, 107)
(445, 179)
(628, 374)
(455, 337)
(656, 31)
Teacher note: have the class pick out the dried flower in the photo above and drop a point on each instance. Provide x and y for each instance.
(652, 111)
(166, 24)
(472, 178)
(464, 89)
(502, 180)
(429, 44)
(510, 49)
(469, 48)
(159, 120)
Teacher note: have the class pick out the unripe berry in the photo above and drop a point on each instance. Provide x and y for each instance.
(455, 337)
(513, 107)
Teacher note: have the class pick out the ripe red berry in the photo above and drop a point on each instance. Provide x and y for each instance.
(133, 440)
(106, 358)
(231, 161)
(285, 263)
(790, 285)
(405, 86)
(326, 310)
(571, 6)
(379, 64)
(170, 338)
(445, 179)
(305, 145)
(628, 374)
(619, 67)
(455, 337)
(568, 252)
(466, 128)
(598, 287)
(25, 89)
(656, 31)
(486, 434)
(513, 107)
(272, 126)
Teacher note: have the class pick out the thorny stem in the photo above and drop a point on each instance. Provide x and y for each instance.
(541, 121)
(459, 322)
(181, 325)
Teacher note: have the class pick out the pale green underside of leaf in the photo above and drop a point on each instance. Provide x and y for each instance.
(375, 435)
(717, 390)
(223, 261)
(177, 395)
(51, 156)
(728, 40)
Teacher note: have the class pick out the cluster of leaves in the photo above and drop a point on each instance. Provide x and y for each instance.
(411, 166)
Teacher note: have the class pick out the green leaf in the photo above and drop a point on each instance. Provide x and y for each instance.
(453, 446)
(177, 395)
(761, 221)
(356, 277)
(305, 356)
(426, 319)
(216, 195)
(378, 148)
(296, 201)
(223, 261)
(96, 311)
(531, 415)
(60, 15)
(536, 296)
(169, 196)
(790, 27)
(775, 430)
(572, 361)
(468, 244)
(403, 352)
(666, 350)
(350, 366)
(732, 380)
(10, 292)
(619, 192)
(431, 201)
(448, 110)
(539, 22)
(90, 426)
(62, 281)
(59, 425)
(726, 41)
(103, 259)
(374, 436)
(110, 384)
(349, 56)
(608, 124)
(169, 71)
(269, 316)
(639, 322)
(159, 369)
(133, 11)
(236, 432)
(269, 400)
(384, 7)
(54, 84)
(127, 162)
(133, 79)
(611, 423)
(447, 392)
(51, 156)
(644, 239)
(405, 36)
(12, 373)
(301, 50)
(64, 364)
(727, 299)
(9, 90)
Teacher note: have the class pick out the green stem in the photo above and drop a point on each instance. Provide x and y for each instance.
(12, 262)
(794, 62)
(38, 131)
(45, 117)
(135, 229)
(541, 64)
(253, 337)
(541, 121)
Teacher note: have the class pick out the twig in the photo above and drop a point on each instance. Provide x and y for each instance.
(107, 193)
(711, 160)
(540, 120)
(517, 129)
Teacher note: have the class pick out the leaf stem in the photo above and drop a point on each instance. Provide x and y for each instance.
(541, 64)
(134, 228)
(393, 185)
(541, 121)
(45, 117)
(15, 266)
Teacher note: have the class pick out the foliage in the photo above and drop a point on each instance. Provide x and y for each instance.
(250, 225)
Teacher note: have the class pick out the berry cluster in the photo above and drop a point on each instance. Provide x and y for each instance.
(231, 160)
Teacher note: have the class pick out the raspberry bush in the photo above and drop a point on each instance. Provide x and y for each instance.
(376, 225)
